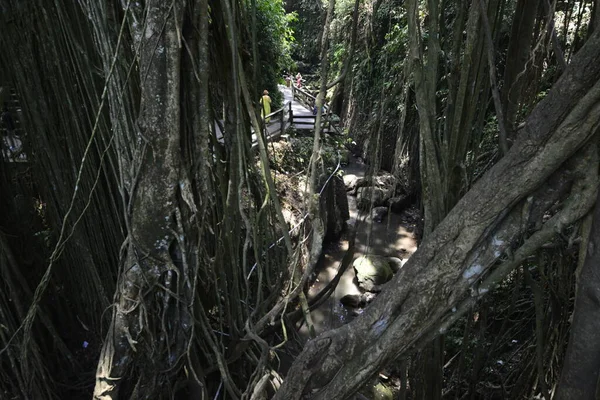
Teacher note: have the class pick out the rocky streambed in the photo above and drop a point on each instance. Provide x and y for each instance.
(385, 239)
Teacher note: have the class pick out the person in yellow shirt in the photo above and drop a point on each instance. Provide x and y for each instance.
(265, 102)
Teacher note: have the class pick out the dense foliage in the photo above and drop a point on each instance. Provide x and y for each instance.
(275, 42)
(144, 250)
(379, 107)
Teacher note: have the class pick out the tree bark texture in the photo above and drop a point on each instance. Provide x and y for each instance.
(580, 378)
(153, 201)
(519, 50)
(426, 77)
(463, 247)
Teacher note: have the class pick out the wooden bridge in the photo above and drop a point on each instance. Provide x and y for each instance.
(297, 112)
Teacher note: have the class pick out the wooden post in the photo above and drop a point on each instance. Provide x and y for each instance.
(291, 114)
(265, 130)
(282, 120)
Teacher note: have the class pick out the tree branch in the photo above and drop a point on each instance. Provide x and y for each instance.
(348, 60)
(493, 81)
(444, 269)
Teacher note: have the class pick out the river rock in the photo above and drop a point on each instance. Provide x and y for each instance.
(385, 180)
(378, 214)
(363, 197)
(396, 263)
(382, 392)
(353, 300)
(372, 271)
(354, 183)
(358, 300)
(350, 181)
(369, 297)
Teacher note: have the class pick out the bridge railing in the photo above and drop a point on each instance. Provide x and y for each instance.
(283, 116)
(280, 116)
(303, 97)
(330, 121)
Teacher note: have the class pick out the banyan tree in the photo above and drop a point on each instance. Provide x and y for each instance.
(144, 252)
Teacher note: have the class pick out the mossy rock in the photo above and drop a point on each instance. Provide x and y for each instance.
(364, 195)
(372, 271)
(382, 392)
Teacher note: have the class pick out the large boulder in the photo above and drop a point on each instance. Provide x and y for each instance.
(353, 300)
(350, 181)
(385, 180)
(382, 392)
(376, 390)
(372, 272)
(364, 195)
(358, 300)
(334, 208)
(333, 203)
(353, 183)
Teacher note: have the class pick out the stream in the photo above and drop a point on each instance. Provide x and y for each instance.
(394, 236)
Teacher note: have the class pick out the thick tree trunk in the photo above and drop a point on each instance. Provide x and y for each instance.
(426, 78)
(519, 49)
(580, 378)
(148, 261)
(464, 246)
(463, 104)
(594, 18)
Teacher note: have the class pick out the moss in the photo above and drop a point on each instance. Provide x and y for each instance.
(382, 392)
